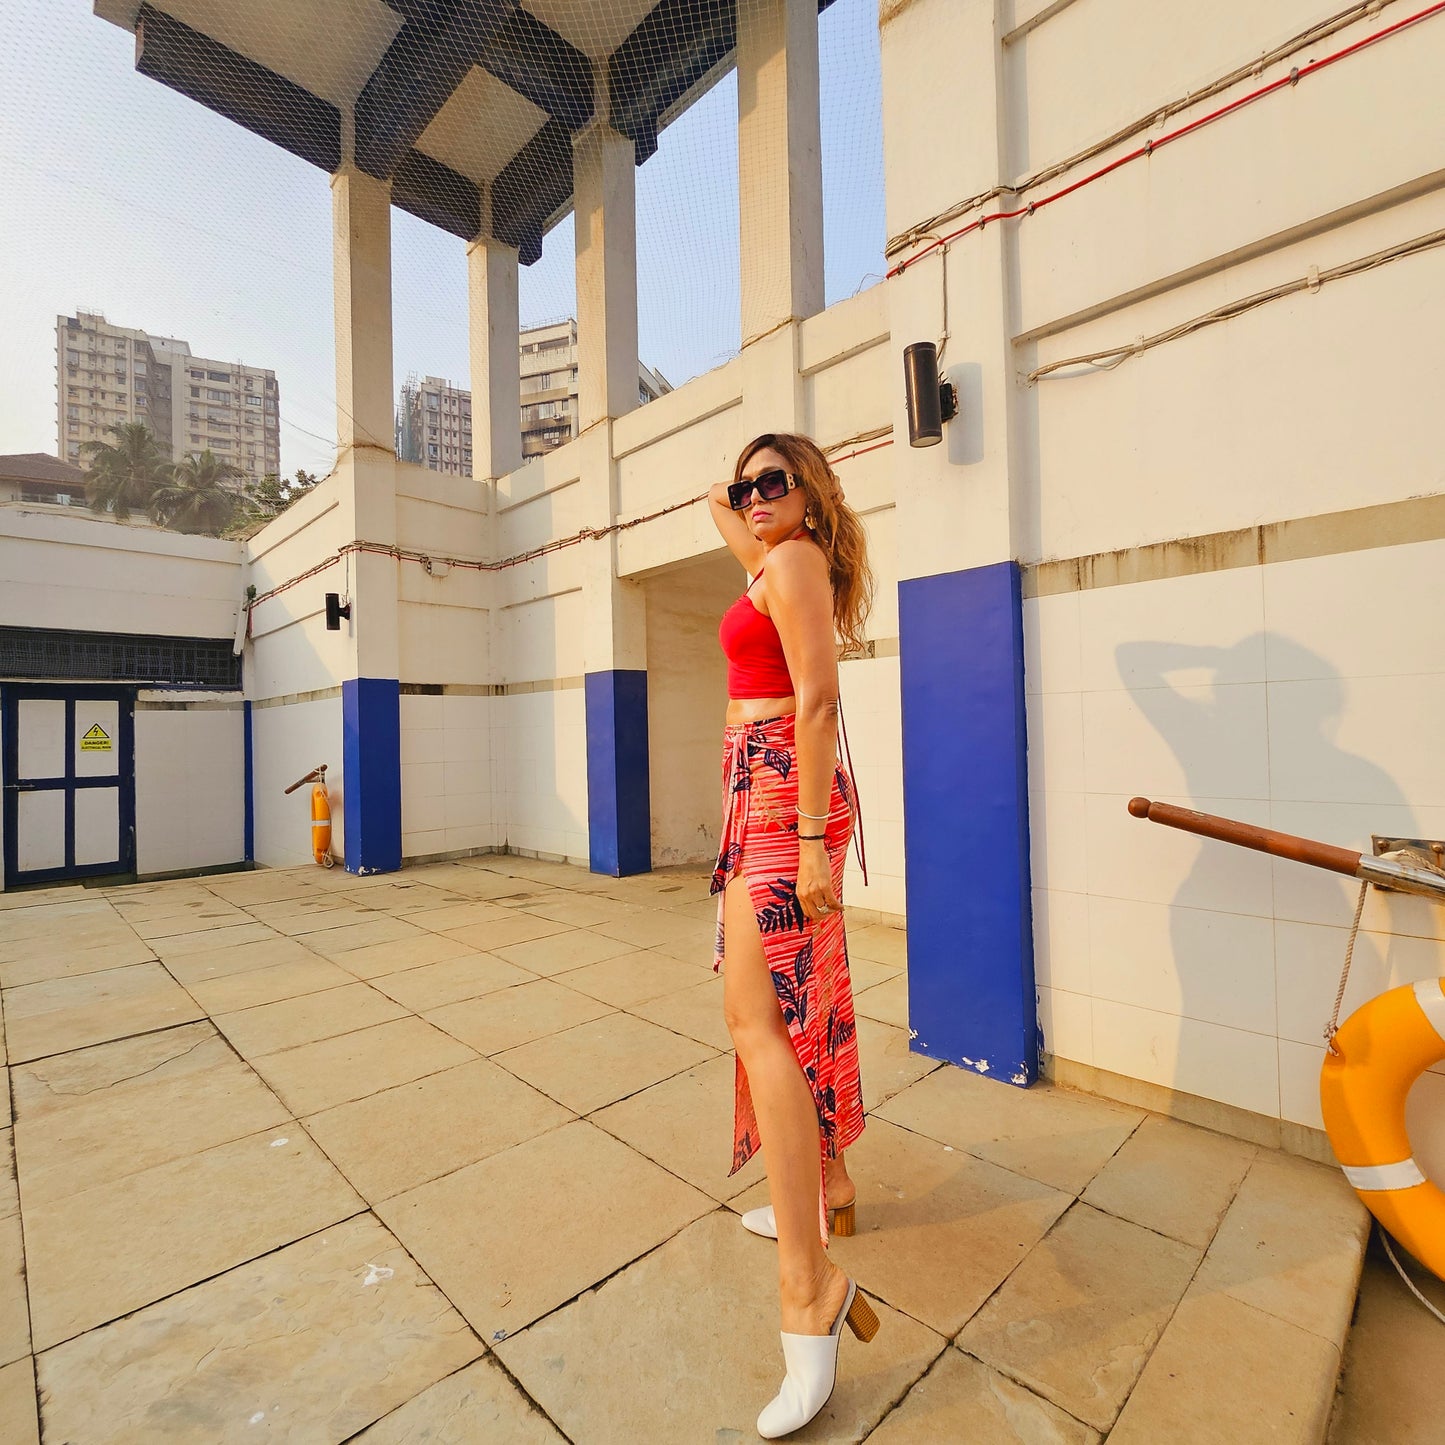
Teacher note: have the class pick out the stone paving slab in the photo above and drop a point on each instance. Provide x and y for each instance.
(273, 984)
(434, 985)
(123, 1244)
(311, 1343)
(599, 1062)
(633, 978)
(406, 1136)
(19, 1419)
(515, 1016)
(207, 965)
(72, 1013)
(378, 959)
(54, 960)
(318, 1076)
(141, 1121)
(686, 1125)
(479, 1403)
(1292, 1245)
(1225, 1371)
(683, 1347)
(1077, 1320)
(514, 1236)
(1173, 1178)
(696, 1011)
(961, 1399)
(1053, 1135)
(560, 952)
(938, 1230)
(271, 1027)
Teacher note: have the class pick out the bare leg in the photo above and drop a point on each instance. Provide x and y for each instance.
(810, 1287)
(841, 1189)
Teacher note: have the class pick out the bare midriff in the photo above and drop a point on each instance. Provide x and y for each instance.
(756, 709)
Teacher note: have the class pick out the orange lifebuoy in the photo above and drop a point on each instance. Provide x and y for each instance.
(321, 826)
(1379, 1052)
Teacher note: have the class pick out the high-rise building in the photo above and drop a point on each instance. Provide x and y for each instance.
(434, 418)
(434, 426)
(113, 374)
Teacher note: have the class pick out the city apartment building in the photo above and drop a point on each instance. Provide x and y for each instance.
(109, 374)
(434, 426)
(434, 418)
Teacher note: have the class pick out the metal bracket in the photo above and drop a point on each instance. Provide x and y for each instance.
(1429, 852)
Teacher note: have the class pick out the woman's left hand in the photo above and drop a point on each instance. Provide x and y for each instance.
(815, 882)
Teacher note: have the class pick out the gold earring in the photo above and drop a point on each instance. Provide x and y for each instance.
(808, 521)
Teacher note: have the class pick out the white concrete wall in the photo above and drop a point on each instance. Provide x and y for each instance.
(287, 741)
(686, 700)
(190, 781)
(80, 573)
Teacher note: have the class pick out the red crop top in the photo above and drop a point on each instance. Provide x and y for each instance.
(756, 665)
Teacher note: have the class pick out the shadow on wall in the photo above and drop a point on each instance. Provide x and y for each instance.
(1224, 931)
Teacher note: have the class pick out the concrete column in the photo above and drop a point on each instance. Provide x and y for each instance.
(780, 166)
(496, 381)
(366, 485)
(605, 188)
(361, 253)
(960, 506)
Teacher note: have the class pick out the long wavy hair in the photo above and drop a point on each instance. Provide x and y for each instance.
(835, 526)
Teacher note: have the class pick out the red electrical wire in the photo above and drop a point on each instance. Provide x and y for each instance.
(1297, 74)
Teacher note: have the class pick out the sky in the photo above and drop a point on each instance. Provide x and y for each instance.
(125, 197)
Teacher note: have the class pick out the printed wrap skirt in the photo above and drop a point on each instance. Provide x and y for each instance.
(808, 960)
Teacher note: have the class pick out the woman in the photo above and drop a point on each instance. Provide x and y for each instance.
(788, 818)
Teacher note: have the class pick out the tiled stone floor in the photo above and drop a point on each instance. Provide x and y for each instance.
(441, 1156)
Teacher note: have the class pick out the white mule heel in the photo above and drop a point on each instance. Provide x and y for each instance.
(841, 1221)
(812, 1368)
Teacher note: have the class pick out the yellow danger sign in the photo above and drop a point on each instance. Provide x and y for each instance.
(97, 740)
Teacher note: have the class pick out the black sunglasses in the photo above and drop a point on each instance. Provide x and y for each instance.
(770, 487)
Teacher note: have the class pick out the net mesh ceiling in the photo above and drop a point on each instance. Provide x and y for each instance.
(169, 169)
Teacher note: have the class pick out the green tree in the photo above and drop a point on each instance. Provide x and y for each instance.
(120, 476)
(196, 497)
(274, 493)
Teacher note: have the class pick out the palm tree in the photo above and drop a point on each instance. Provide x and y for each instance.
(123, 474)
(195, 497)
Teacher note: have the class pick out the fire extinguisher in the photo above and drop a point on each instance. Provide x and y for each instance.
(320, 815)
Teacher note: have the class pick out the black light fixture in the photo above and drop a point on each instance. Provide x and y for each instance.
(335, 611)
(930, 402)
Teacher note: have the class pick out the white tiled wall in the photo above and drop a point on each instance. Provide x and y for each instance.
(190, 788)
(539, 773)
(447, 797)
(287, 742)
(875, 735)
(1290, 695)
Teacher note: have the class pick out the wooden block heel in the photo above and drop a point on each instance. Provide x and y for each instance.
(842, 1222)
(861, 1319)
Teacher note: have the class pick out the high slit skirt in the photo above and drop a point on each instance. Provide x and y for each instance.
(808, 961)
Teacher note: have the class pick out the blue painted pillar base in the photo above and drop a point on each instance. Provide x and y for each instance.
(371, 773)
(971, 993)
(248, 744)
(619, 802)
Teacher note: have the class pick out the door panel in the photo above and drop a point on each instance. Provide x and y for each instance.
(97, 738)
(40, 831)
(41, 737)
(69, 781)
(97, 826)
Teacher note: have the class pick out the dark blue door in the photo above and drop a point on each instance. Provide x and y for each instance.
(69, 776)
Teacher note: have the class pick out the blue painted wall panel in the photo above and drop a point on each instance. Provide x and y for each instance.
(371, 773)
(619, 802)
(966, 830)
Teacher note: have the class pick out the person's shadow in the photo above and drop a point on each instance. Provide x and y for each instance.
(1256, 942)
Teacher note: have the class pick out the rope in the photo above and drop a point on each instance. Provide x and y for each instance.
(1333, 1027)
(1409, 1283)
